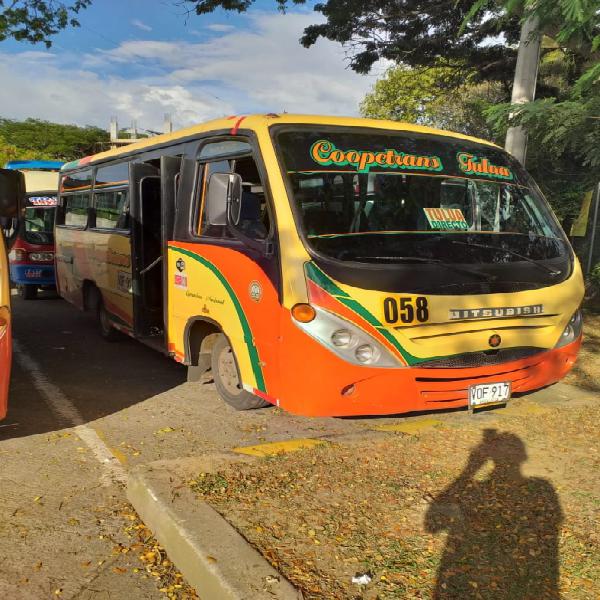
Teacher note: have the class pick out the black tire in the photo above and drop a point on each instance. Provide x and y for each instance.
(107, 331)
(227, 379)
(28, 292)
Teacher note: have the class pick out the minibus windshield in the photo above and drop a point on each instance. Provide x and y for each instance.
(39, 224)
(396, 198)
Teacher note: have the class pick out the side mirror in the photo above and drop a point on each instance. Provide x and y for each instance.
(12, 192)
(224, 198)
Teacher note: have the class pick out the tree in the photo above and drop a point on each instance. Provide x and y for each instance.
(433, 96)
(34, 138)
(37, 20)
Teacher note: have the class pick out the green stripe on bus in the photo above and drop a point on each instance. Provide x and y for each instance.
(322, 280)
(248, 339)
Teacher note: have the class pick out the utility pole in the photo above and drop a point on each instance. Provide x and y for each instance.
(167, 124)
(114, 132)
(528, 60)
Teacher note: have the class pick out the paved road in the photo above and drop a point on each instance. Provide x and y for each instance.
(82, 412)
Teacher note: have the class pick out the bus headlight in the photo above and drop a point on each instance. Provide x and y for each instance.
(572, 330)
(341, 338)
(41, 256)
(347, 341)
(365, 353)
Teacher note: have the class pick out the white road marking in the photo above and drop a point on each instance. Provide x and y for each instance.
(67, 412)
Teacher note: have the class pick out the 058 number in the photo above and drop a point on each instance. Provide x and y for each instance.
(405, 309)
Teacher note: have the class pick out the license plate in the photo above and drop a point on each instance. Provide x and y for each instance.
(35, 274)
(485, 394)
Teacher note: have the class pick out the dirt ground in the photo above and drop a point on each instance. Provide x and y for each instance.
(503, 504)
(586, 372)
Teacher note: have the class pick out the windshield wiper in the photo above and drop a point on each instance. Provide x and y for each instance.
(437, 261)
(538, 264)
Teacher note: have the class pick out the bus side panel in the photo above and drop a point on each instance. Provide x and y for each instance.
(5, 366)
(103, 259)
(5, 330)
(109, 264)
(227, 287)
(69, 251)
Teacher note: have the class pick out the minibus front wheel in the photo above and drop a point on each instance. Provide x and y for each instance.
(227, 378)
(27, 291)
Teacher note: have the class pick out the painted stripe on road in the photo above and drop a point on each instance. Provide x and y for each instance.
(67, 413)
(275, 448)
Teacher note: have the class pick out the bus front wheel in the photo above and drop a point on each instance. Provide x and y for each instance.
(28, 292)
(227, 379)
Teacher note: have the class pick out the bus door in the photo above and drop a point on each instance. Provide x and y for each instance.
(170, 168)
(147, 253)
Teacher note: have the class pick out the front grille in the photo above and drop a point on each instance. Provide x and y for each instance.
(482, 359)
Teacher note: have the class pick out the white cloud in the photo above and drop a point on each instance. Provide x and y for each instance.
(141, 25)
(89, 98)
(260, 68)
(220, 27)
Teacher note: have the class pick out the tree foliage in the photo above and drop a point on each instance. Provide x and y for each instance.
(37, 20)
(433, 97)
(38, 139)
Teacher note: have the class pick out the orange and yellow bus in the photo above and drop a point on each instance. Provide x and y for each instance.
(12, 191)
(330, 266)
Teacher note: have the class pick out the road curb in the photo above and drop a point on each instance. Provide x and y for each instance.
(214, 558)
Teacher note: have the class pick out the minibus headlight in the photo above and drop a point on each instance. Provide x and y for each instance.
(341, 338)
(347, 341)
(365, 353)
(19, 255)
(41, 256)
(572, 331)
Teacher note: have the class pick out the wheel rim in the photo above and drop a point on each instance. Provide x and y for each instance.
(228, 373)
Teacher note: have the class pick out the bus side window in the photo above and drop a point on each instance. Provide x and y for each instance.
(255, 219)
(233, 156)
(76, 208)
(111, 197)
(75, 199)
(111, 209)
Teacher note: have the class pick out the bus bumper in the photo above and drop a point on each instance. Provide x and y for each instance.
(326, 386)
(5, 365)
(32, 274)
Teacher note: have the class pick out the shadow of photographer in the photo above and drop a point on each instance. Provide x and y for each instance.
(502, 527)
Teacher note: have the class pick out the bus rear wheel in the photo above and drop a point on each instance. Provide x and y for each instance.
(28, 292)
(107, 331)
(227, 378)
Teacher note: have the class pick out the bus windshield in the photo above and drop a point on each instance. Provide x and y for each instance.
(39, 225)
(386, 197)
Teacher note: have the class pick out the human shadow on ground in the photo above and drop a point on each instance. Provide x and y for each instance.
(502, 527)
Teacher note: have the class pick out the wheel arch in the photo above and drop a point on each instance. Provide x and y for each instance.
(90, 294)
(199, 338)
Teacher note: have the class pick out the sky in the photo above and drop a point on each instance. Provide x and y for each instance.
(140, 59)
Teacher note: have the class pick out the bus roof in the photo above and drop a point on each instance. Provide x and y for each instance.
(34, 165)
(256, 122)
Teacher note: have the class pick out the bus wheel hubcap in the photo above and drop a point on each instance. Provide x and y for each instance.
(228, 372)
